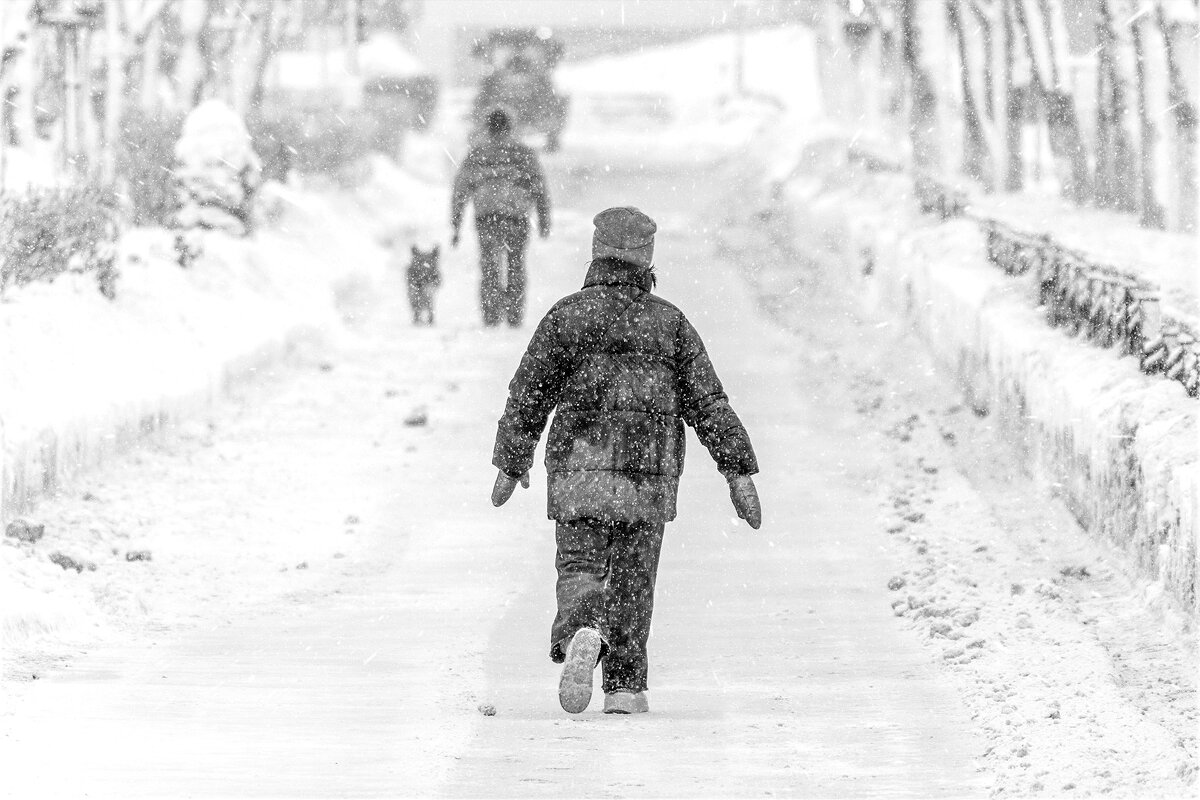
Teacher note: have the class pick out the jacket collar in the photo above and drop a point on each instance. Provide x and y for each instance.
(612, 272)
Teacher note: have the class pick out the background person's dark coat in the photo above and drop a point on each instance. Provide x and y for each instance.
(502, 177)
(625, 370)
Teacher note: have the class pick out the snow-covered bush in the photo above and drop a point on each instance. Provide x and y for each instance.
(145, 162)
(51, 231)
(217, 172)
(327, 142)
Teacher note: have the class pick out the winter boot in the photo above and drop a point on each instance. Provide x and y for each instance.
(625, 702)
(575, 685)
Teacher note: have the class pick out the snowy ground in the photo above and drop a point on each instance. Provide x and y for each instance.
(332, 603)
(85, 368)
(363, 674)
(1077, 677)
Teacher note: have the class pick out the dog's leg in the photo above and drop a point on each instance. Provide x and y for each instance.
(427, 302)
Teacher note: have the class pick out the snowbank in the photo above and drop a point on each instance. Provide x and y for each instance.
(1120, 446)
(85, 377)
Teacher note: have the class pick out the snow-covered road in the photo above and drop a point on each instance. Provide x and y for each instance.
(777, 666)
(333, 601)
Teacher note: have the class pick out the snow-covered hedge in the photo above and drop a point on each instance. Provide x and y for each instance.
(51, 231)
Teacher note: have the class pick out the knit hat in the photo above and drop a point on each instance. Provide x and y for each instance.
(624, 233)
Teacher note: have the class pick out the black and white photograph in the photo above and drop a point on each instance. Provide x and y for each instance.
(599, 399)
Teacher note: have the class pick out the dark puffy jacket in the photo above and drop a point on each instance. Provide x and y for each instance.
(502, 177)
(625, 370)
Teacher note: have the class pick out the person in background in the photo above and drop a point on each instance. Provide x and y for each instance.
(623, 370)
(503, 179)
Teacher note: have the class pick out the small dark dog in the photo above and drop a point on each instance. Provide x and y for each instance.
(423, 279)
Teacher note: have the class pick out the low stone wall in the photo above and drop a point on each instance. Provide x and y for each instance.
(1120, 446)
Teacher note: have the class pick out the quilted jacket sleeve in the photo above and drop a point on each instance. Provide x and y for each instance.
(532, 395)
(706, 407)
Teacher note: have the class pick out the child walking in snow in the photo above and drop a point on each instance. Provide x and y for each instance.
(625, 370)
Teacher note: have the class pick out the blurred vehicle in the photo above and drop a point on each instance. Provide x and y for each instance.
(521, 62)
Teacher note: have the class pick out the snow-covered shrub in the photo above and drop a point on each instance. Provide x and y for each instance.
(217, 172)
(329, 142)
(145, 163)
(51, 231)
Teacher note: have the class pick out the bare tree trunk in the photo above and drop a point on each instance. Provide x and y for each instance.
(351, 34)
(209, 57)
(1014, 174)
(987, 33)
(989, 16)
(192, 67)
(1116, 177)
(16, 57)
(977, 156)
(890, 65)
(246, 52)
(151, 72)
(922, 121)
(1105, 135)
(68, 49)
(1184, 205)
(141, 39)
(270, 37)
(90, 133)
(114, 74)
(261, 41)
(1062, 121)
(1151, 94)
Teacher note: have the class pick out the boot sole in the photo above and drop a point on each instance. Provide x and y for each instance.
(575, 685)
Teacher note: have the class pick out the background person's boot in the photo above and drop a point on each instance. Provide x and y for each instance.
(575, 685)
(623, 702)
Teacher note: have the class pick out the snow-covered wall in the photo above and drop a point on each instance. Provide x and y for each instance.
(85, 377)
(1120, 446)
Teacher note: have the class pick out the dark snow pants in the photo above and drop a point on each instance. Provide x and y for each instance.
(606, 573)
(502, 243)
